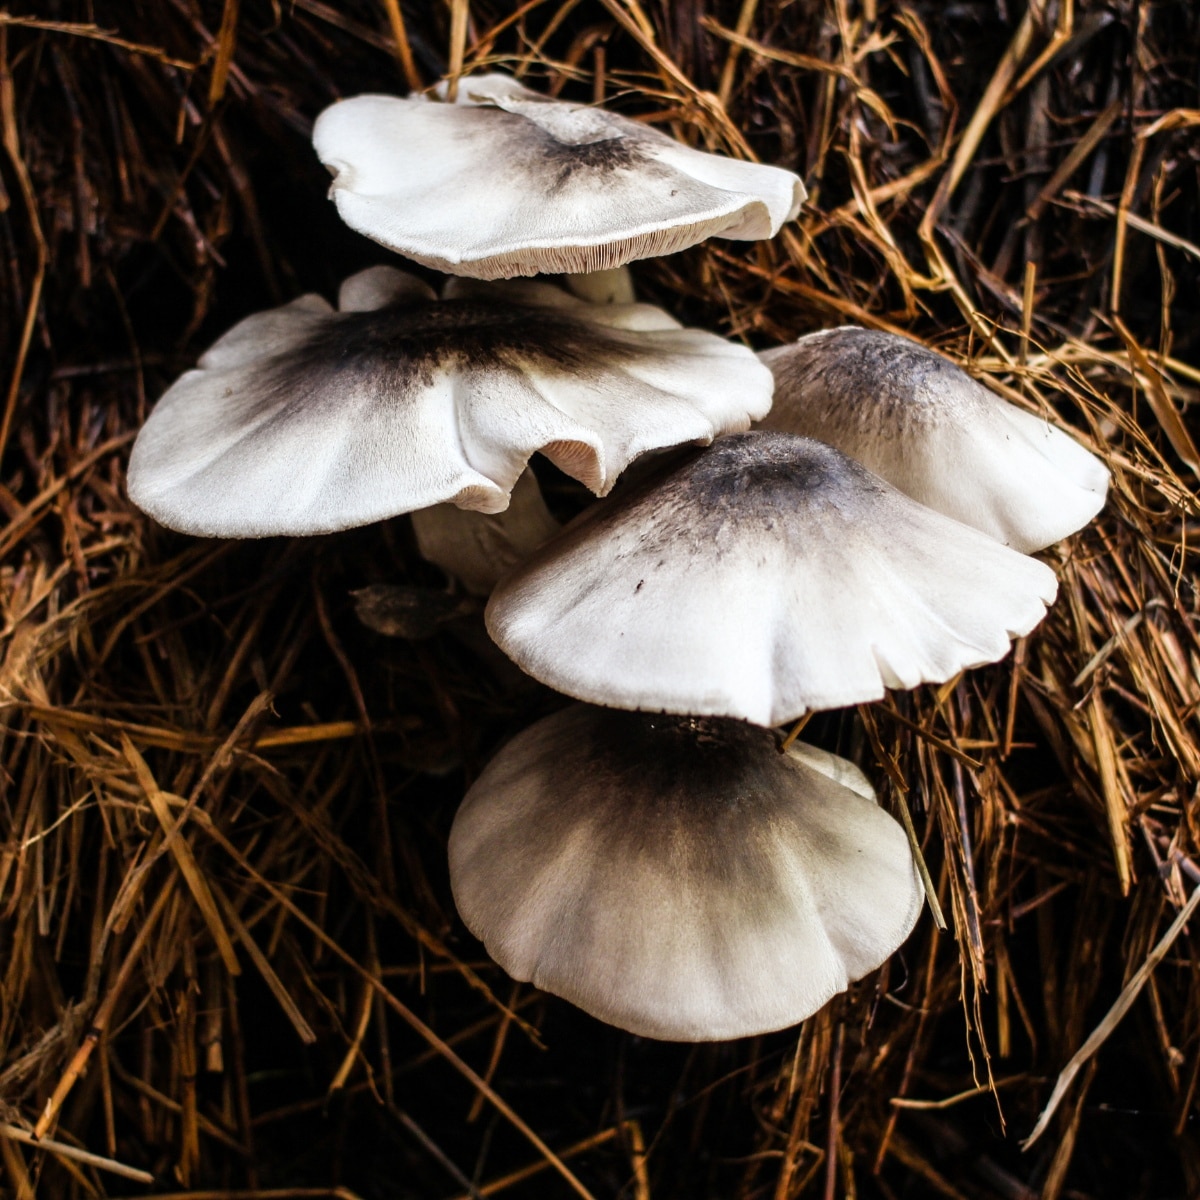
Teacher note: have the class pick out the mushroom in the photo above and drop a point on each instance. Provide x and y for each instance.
(508, 182)
(303, 420)
(478, 548)
(378, 287)
(833, 766)
(763, 577)
(678, 877)
(614, 286)
(923, 424)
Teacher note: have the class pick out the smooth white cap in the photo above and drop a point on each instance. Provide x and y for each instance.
(765, 576)
(303, 420)
(508, 182)
(923, 424)
(678, 878)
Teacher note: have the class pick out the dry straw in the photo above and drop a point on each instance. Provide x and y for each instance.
(210, 767)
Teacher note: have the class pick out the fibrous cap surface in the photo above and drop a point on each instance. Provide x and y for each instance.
(766, 576)
(679, 878)
(923, 424)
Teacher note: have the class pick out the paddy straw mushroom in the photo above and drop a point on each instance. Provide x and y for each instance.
(304, 420)
(763, 577)
(678, 877)
(922, 423)
(478, 548)
(507, 182)
(614, 286)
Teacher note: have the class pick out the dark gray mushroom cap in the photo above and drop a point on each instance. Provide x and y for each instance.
(923, 424)
(509, 182)
(766, 576)
(678, 877)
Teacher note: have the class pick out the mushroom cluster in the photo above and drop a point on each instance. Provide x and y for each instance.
(664, 861)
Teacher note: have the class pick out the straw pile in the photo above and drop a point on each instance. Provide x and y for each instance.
(229, 965)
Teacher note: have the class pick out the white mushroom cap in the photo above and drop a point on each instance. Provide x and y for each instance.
(766, 576)
(477, 548)
(507, 182)
(678, 878)
(302, 420)
(923, 424)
